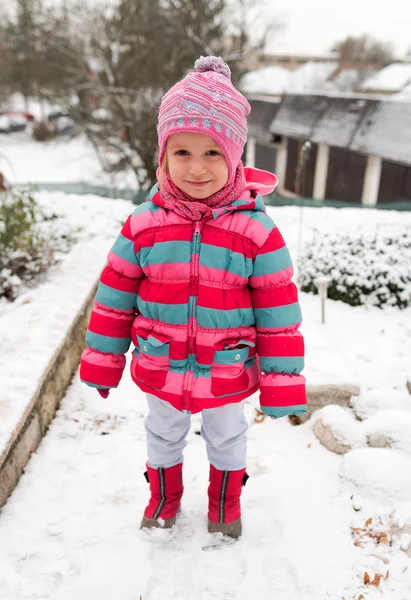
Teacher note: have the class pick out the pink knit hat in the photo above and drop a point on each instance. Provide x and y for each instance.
(206, 101)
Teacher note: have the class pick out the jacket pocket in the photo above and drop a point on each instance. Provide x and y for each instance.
(228, 373)
(153, 362)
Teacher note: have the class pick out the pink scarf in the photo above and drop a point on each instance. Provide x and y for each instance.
(196, 210)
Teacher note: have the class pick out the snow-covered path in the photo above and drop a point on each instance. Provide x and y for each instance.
(79, 505)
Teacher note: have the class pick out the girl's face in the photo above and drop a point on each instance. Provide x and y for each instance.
(196, 164)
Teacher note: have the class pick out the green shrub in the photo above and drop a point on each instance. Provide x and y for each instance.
(25, 252)
(368, 267)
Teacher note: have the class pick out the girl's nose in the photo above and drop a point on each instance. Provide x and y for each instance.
(197, 168)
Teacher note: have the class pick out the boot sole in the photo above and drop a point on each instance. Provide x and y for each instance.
(232, 530)
(154, 523)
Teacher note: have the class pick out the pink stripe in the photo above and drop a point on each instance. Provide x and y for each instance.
(209, 274)
(279, 380)
(124, 267)
(147, 219)
(179, 334)
(99, 309)
(175, 271)
(113, 310)
(244, 225)
(283, 276)
(94, 357)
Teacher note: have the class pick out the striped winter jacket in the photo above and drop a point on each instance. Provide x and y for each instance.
(209, 306)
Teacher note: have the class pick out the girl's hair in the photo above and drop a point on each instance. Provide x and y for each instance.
(164, 163)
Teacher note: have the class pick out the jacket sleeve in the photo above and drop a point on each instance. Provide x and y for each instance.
(109, 331)
(280, 344)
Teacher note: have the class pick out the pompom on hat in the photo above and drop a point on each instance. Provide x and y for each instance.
(206, 101)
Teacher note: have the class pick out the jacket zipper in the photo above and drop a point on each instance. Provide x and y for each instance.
(192, 328)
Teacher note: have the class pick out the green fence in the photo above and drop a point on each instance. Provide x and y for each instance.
(139, 196)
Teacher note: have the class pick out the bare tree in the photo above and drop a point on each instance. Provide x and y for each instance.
(364, 50)
(248, 31)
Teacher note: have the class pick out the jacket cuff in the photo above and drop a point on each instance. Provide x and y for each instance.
(282, 394)
(101, 370)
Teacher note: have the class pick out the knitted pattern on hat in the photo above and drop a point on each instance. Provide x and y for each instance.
(206, 101)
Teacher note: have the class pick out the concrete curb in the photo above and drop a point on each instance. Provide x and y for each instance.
(42, 407)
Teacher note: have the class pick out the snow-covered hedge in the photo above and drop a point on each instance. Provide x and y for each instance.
(28, 242)
(372, 266)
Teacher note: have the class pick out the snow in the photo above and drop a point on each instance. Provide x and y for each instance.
(71, 528)
(390, 79)
(36, 323)
(62, 160)
(276, 80)
(269, 80)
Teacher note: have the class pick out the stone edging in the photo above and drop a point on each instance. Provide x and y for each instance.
(44, 403)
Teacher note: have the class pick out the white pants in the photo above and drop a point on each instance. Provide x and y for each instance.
(224, 430)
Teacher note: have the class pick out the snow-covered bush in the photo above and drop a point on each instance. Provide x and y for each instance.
(27, 248)
(372, 266)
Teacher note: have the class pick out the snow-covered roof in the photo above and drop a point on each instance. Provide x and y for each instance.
(269, 80)
(276, 80)
(390, 79)
(369, 126)
(311, 76)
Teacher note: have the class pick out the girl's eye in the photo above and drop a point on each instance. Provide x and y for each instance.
(213, 153)
(182, 153)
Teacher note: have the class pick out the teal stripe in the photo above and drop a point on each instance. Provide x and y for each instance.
(225, 319)
(261, 217)
(272, 262)
(224, 259)
(165, 252)
(146, 207)
(115, 298)
(229, 357)
(153, 349)
(282, 364)
(95, 385)
(153, 191)
(124, 248)
(279, 316)
(173, 314)
(282, 411)
(107, 344)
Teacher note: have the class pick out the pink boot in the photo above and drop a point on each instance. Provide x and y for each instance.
(166, 486)
(224, 510)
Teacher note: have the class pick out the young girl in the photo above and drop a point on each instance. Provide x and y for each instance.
(199, 280)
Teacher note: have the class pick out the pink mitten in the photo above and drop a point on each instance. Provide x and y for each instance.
(103, 393)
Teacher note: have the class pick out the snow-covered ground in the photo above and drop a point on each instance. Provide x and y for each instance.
(314, 522)
(62, 160)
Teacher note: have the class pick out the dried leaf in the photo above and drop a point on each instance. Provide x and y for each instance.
(367, 579)
(357, 529)
(358, 544)
(309, 446)
(259, 416)
(368, 522)
(360, 597)
(383, 539)
(377, 579)
(387, 574)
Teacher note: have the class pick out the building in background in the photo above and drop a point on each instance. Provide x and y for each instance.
(360, 146)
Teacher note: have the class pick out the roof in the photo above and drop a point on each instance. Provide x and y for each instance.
(390, 79)
(269, 80)
(368, 126)
(260, 118)
(276, 80)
